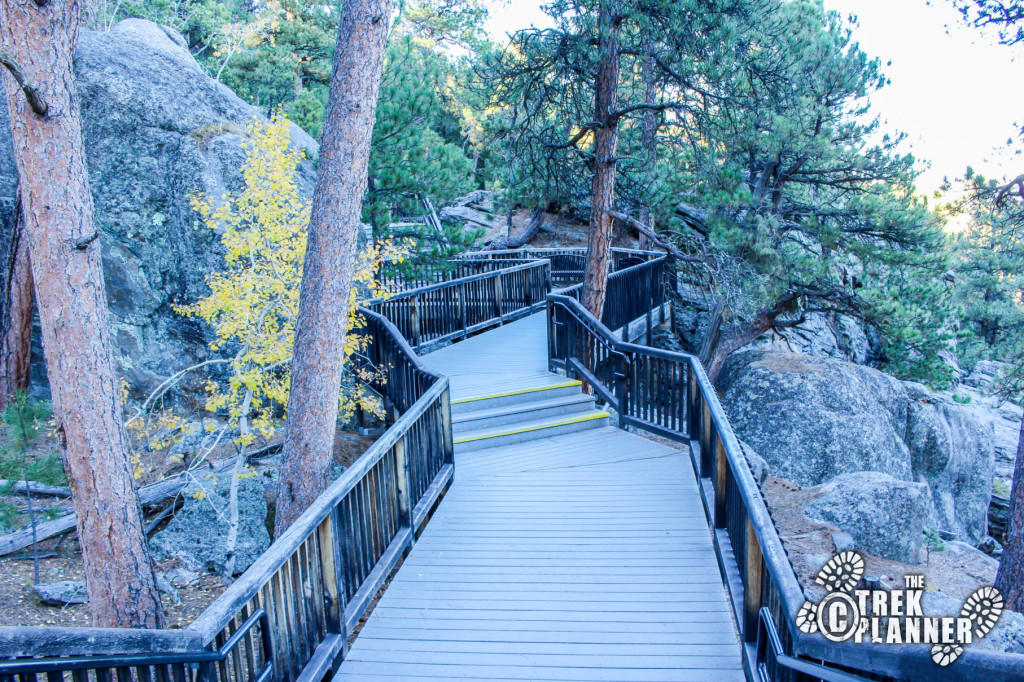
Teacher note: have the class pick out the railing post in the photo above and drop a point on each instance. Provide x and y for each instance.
(529, 288)
(446, 427)
(552, 340)
(402, 478)
(752, 577)
(462, 308)
(721, 471)
(329, 533)
(498, 313)
(415, 321)
(622, 391)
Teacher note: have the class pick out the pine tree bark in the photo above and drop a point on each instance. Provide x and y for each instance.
(606, 134)
(67, 270)
(648, 131)
(16, 314)
(319, 354)
(1010, 578)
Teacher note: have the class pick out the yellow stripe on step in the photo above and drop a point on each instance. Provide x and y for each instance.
(520, 392)
(577, 420)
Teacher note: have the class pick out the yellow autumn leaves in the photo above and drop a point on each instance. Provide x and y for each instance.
(253, 303)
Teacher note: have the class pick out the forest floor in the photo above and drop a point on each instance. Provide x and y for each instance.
(60, 557)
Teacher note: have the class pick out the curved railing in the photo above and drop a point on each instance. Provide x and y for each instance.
(289, 615)
(454, 308)
(291, 611)
(670, 394)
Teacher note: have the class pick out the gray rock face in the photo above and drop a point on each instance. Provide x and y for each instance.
(1007, 635)
(197, 536)
(985, 374)
(812, 419)
(839, 337)
(156, 129)
(862, 503)
(61, 593)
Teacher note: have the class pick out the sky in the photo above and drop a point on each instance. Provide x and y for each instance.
(954, 90)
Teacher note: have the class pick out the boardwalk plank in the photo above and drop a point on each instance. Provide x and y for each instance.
(583, 556)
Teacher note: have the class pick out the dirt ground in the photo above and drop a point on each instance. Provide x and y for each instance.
(953, 573)
(948, 570)
(61, 559)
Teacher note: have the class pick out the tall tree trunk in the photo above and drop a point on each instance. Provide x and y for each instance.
(16, 313)
(606, 134)
(330, 256)
(648, 130)
(1010, 578)
(68, 274)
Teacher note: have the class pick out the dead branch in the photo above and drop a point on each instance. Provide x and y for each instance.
(35, 100)
(36, 488)
(658, 240)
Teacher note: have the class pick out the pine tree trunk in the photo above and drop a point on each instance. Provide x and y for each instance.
(606, 133)
(330, 256)
(1010, 578)
(67, 270)
(16, 314)
(648, 130)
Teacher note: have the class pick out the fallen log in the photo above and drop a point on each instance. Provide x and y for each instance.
(506, 242)
(150, 494)
(36, 488)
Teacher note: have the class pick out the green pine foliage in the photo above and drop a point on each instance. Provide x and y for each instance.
(989, 275)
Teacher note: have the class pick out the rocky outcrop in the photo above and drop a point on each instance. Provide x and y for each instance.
(156, 130)
(61, 593)
(814, 419)
(476, 210)
(197, 536)
(839, 337)
(862, 503)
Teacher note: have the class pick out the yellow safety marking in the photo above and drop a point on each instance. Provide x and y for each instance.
(525, 390)
(577, 420)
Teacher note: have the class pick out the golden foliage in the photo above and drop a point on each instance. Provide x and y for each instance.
(253, 302)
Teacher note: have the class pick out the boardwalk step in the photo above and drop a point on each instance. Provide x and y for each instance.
(558, 389)
(526, 411)
(524, 431)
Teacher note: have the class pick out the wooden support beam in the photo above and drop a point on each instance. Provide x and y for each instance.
(753, 574)
(721, 474)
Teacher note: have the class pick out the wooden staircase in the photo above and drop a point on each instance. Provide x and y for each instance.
(523, 415)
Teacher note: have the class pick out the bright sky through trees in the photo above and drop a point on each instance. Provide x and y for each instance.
(954, 90)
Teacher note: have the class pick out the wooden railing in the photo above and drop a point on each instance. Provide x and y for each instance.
(289, 614)
(567, 263)
(243, 650)
(669, 394)
(633, 292)
(393, 278)
(453, 309)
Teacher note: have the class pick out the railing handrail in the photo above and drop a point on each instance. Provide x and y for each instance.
(37, 640)
(147, 658)
(907, 661)
(216, 616)
(555, 249)
(527, 264)
(774, 552)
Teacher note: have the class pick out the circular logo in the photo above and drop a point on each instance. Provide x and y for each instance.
(838, 616)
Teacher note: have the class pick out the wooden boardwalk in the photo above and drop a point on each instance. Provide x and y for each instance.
(582, 556)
